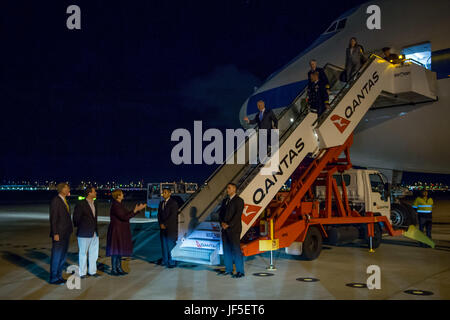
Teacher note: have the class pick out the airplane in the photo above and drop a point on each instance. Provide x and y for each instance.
(393, 137)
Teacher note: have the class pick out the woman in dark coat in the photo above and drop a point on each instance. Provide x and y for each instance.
(354, 58)
(119, 242)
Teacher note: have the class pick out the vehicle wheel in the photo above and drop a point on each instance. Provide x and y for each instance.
(377, 237)
(413, 219)
(401, 216)
(312, 244)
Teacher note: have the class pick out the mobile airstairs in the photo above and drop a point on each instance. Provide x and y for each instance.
(301, 135)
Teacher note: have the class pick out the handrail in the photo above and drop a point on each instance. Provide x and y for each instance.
(345, 88)
(288, 129)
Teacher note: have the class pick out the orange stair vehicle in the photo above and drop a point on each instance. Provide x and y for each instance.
(327, 199)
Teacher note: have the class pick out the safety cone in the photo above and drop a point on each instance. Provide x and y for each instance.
(416, 234)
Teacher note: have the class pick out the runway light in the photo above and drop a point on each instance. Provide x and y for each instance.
(416, 292)
(356, 285)
(307, 279)
(263, 274)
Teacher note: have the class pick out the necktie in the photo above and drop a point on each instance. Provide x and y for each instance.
(260, 115)
(67, 205)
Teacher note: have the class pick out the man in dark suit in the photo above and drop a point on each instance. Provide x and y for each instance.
(322, 76)
(85, 220)
(265, 119)
(317, 95)
(230, 221)
(60, 231)
(168, 222)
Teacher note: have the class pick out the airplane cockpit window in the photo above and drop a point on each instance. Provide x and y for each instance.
(332, 27)
(341, 24)
(336, 25)
(420, 53)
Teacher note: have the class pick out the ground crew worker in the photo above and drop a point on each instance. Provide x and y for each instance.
(317, 95)
(424, 208)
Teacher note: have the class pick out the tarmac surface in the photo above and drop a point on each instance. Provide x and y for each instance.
(25, 256)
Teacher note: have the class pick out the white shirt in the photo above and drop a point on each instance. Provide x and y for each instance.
(229, 198)
(165, 202)
(91, 204)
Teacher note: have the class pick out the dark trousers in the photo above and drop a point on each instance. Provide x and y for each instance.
(167, 244)
(319, 109)
(232, 251)
(58, 258)
(425, 221)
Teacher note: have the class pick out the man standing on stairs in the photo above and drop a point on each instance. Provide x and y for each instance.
(317, 95)
(322, 76)
(266, 120)
(230, 220)
(168, 222)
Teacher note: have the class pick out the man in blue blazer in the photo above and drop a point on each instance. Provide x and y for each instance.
(85, 220)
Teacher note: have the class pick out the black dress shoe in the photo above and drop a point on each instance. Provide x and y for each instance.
(239, 275)
(83, 277)
(171, 266)
(58, 282)
(223, 273)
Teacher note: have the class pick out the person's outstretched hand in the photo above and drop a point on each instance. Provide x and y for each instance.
(139, 207)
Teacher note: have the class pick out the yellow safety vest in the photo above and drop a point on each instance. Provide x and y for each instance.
(423, 205)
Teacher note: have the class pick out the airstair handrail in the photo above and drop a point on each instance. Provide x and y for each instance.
(345, 88)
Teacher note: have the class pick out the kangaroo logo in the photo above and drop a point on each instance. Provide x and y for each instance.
(340, 122)
(249, 213)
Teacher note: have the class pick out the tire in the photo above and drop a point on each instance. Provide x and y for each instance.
(376, 240)
(402, 215)
(399, 216)
(312, 246)
(413, 219)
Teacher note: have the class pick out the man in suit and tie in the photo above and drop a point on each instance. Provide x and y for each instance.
(60, 231)
(230, 221)
(265, 119)
(85, 220)
(168, 223)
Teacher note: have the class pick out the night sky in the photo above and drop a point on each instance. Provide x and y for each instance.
(101, 102)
